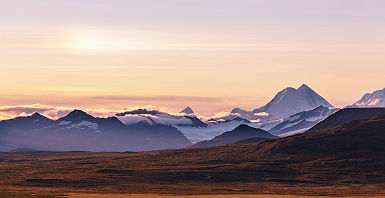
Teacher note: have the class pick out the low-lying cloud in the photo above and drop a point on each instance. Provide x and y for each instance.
(53, 112)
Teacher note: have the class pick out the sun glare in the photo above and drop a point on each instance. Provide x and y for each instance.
(95, 40)
(90, 40)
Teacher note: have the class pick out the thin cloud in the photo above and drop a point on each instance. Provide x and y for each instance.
(155, 98)
(53, 112)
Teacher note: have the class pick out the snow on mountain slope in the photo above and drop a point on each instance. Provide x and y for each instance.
(302, 121)
(85, 124)
(285, 103)
(154, 117)
(375, 99)
(290, 101)
(83, 132)
(213, 129)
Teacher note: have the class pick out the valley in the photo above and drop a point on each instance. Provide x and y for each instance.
(305, 164)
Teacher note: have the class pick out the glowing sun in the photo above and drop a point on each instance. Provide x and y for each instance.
(96, 40)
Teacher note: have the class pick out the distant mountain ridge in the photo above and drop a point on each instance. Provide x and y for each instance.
(82, 132)
(198, 128)
(242, 132)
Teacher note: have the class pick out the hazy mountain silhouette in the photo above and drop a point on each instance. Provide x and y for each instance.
(242, 132)
(81, 131)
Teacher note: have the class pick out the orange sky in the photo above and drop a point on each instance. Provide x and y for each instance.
(211, 56)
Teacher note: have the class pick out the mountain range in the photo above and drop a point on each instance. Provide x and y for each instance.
(291, 111)
(346, 160)
(356, 137)
(81, 131)
(143, 129)
(298, 105)
(306, 107)
(323, 150)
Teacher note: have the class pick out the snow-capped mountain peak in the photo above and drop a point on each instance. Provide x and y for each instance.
(290, 101)
(285, 103)
(304, 87)
(375, 99)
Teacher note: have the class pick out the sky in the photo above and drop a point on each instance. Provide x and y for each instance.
(211, 55)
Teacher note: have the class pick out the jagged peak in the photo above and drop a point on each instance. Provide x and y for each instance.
(304, 86)
(37, 115)
(77, 114)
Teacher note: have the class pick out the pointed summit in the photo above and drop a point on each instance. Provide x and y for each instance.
(36, 115)
(304, 87)
(313, 99)
(78, 115)
(187, 110)
(291, 101)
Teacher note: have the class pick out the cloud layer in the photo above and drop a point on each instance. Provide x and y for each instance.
(53, 112)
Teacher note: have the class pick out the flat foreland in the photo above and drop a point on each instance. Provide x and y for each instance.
(193, 171)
